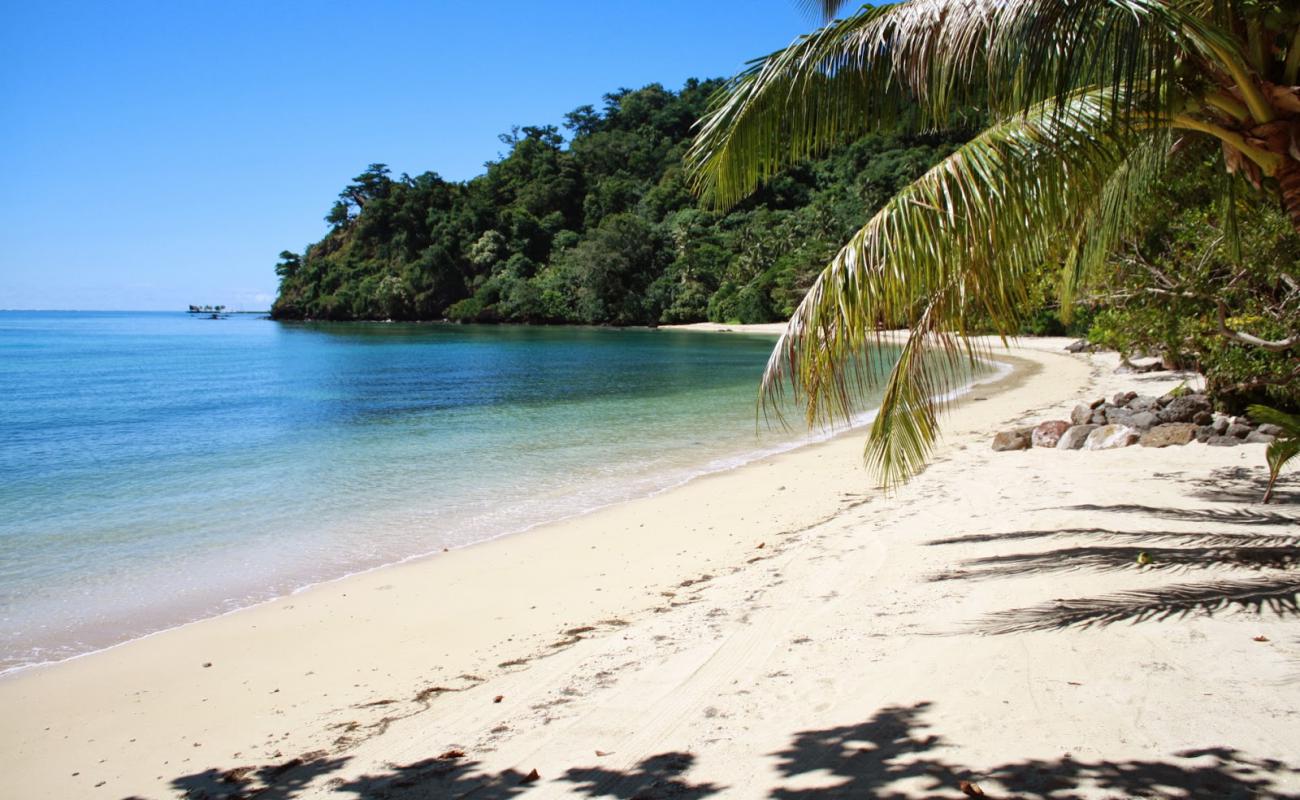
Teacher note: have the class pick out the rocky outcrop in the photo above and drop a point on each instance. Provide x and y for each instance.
(1127, 418)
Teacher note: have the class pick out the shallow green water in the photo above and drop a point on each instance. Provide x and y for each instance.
(160, 468)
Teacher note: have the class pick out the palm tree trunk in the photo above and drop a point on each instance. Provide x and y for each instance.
(1288, 176)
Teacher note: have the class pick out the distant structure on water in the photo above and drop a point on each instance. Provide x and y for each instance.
(213, 312)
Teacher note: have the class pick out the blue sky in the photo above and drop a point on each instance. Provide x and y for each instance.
(158, 154)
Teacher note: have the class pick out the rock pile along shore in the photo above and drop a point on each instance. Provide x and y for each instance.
(1128, 418)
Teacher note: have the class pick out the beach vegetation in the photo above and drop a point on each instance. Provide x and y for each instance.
(1085, 107)
(1283, 448)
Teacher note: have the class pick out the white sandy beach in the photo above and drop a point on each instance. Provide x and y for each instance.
(778, 630)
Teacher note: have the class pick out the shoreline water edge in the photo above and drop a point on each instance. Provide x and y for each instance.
(712, 620)
(669, 482)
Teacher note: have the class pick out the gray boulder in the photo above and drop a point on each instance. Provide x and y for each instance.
(1123, 398)
(1184, 408)
(1117, 416)
(1268, 429)
(1172, 433)
(1143, 421)
(1203, 433)
(1220, 425)
(1047, 434)
(1142, 403)
(1203, 418)
(1239, 430)
(1074, 438)
(1110, 437)
(1255, 437)
(1081, 414)
(1224, 441)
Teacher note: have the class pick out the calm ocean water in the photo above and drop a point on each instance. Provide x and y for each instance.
(157, 468)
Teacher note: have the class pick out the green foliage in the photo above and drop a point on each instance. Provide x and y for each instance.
(600, 228)
(1163, 288)
(1282, 449)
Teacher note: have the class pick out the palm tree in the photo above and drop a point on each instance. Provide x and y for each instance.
(1086, 101)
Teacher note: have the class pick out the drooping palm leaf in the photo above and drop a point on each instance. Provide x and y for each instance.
(959, 241)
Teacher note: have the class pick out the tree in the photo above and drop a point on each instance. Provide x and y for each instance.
(1084, 100)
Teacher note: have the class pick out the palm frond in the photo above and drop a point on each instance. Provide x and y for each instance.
(1105, 219)
(957, 242)
(1282, 449)
(920, 61)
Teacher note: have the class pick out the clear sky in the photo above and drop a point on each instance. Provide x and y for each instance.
(163, 153)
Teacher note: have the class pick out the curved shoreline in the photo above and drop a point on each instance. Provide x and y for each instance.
(715, 618)
(702, 470)
(265, 656)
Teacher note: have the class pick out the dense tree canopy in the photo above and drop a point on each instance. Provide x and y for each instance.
(598, 228)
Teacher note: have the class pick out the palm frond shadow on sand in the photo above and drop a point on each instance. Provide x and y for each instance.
(1111, 559)
(1233, 516)
(1278, 595)
(893, 756)
(890, 756)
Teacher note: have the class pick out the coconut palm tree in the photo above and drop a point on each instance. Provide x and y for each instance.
(1087, 101)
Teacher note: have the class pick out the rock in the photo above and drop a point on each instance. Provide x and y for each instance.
(1123, 398)
(1164, 400)
(1129, 368)
(1223, 441)
(1117, 416)
(1220, 425)
(1255, 437)
(1012, 440)
(1202, 418)
(1098, 417)
(1169, 434)
(1110, 437)
(1203, 433)
(1269, 429)
(1074, 438)
(1097, 403)
(1081, 414)
(1182, 409)
(1142, 403)
(1144, 421)
(1047, 434)
(1077, 346)
(1239, 430)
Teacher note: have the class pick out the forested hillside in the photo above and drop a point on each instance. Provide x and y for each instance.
(592, 225)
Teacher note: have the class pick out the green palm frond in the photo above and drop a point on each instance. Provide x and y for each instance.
(920, 62)
(1110, 215)
(958, 242)
(1282, 449)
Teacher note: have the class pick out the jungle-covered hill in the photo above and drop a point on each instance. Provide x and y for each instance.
(595, 225)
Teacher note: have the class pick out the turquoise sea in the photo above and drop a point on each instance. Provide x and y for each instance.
(157, 468)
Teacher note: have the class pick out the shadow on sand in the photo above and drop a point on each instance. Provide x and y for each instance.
(892, 755)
